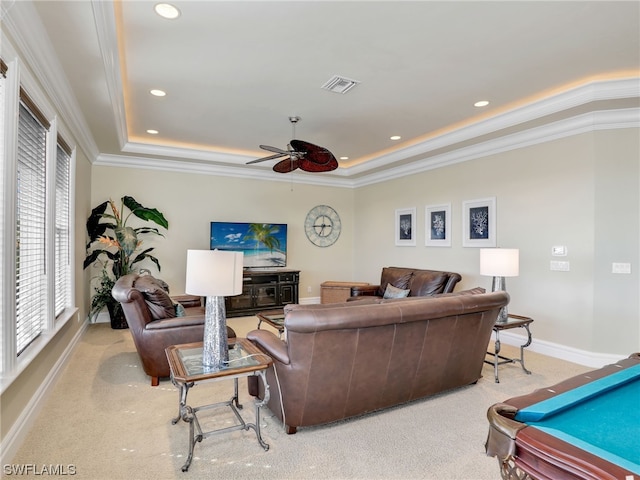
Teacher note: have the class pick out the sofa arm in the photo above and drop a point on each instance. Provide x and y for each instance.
(270, 344)
(175, 322)
(364, 290)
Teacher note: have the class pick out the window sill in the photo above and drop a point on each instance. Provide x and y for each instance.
(24, 360)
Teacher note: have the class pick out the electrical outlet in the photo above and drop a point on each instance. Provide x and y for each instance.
(309, 289)
(557, 266)
(620, 268)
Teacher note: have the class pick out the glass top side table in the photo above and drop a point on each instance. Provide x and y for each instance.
(185, 362)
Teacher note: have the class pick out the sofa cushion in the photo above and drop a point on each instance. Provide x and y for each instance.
(394, 292)
(396, 276)
(156, 297)
(427, 282)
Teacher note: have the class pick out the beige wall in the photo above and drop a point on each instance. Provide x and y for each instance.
(580, 192)
(191, 201)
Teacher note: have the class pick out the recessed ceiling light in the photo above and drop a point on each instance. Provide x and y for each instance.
(152, 132)
(481, 103)
(166, 10)
(157, 93)
(344, 158)
(395, 137)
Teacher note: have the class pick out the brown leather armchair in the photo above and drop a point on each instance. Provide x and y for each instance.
(151, 315)
(420, 283)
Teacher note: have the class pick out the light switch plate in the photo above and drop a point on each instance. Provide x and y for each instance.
(620, 268)
(559, 251)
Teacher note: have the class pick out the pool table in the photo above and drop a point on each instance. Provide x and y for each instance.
(586, 427)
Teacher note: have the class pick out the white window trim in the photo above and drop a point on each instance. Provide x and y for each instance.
(11, 366)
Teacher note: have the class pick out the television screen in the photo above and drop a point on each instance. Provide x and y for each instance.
(263, 244)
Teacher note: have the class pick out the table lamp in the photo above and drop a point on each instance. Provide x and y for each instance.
(500, 263)
(214, 274)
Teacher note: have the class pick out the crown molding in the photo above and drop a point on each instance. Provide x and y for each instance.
(587, 122)
(41, 68)
(105, 20)
(581, 95)
(49, 85)
(192, 167)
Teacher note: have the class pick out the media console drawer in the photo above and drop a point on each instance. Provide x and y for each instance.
(264, 289)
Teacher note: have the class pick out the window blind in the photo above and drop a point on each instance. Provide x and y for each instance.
(30, 226)
(3, 162)
(62, 282)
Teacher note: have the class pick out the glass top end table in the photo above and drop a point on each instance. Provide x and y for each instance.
(275, 318)
(245, 360)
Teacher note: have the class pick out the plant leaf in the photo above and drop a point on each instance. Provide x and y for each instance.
(140, 230)
(127, 239)
(145, 213)
(93, 256)
(94, 227)
(145, 255)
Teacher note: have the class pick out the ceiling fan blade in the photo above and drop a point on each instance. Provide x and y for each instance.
(270, 157)
(269, 148)
(315, 158)
(287, 165)
(311, 166)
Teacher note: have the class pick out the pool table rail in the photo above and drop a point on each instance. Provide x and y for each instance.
(526, 453)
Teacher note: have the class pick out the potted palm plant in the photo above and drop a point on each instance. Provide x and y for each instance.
(116, 248)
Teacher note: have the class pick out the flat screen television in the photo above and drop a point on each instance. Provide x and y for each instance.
(264, 244)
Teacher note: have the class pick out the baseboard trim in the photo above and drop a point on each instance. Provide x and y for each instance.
(23, 424)
(309, 300)
(562, 352)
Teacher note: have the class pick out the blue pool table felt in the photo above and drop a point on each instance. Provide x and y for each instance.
(601, 417)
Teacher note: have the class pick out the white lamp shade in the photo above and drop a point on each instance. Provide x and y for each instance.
(214, 273)
(500, 262)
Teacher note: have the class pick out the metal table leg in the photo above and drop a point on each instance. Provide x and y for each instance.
(258, 406)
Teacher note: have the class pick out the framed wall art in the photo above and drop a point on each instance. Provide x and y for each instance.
(479, 222)
(437, 221)
(406, 227)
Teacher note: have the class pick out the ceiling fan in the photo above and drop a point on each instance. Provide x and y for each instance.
(300, 154)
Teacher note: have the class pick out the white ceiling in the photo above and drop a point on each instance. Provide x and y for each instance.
(234, 71)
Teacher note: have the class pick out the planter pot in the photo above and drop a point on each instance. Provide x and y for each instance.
(118, 321)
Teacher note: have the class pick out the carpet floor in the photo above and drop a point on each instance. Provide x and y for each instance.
(103, 420)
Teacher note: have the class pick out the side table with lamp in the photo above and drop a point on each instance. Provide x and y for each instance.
(215, 274)
(500, 263)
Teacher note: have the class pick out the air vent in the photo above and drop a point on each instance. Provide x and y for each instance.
(338, 84)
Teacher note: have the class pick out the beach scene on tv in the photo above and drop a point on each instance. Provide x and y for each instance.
(263, 244)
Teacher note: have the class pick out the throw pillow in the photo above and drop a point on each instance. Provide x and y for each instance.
(179, 310)
(395, 292)
(157, 299)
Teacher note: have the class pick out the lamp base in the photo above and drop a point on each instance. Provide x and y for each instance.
(500, 284)
(215, 349)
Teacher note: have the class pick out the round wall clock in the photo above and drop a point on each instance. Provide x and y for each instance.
(322, 226)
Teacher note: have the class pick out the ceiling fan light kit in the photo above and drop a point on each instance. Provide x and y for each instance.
(300, 154)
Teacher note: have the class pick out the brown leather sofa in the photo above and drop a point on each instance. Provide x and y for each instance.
(151, 315)
(420, 283)
(342, 360)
